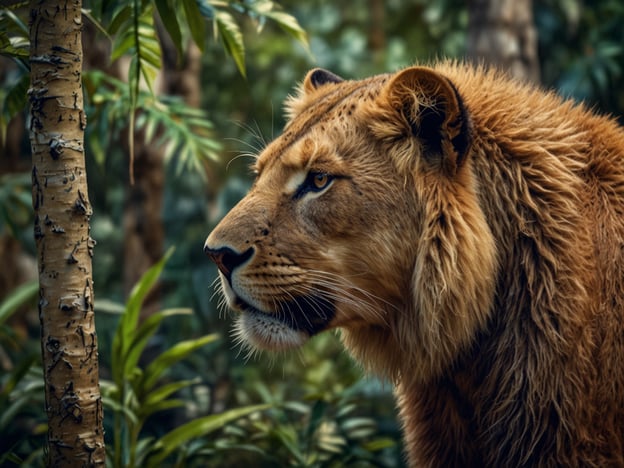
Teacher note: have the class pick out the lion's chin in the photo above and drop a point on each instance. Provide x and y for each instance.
(268, 333)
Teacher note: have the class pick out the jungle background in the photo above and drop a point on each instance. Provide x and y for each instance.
(319, 409)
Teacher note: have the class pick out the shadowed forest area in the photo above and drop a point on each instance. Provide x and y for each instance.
(178, 98)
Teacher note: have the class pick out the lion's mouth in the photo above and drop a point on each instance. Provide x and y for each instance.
(307, 314)
(289, 326)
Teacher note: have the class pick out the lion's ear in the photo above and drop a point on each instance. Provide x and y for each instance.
(434, 112)
(319, 77)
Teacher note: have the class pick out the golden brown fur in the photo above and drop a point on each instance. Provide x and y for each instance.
(465, 232)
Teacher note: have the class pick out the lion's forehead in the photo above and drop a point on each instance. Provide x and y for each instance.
(301, 142)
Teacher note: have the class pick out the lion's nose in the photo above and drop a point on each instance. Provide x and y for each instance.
(228, 259)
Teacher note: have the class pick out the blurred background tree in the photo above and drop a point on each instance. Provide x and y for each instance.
(502, 33)
(322, 411)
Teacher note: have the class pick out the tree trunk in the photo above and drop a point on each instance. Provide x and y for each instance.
(502, 33)
(65, 248)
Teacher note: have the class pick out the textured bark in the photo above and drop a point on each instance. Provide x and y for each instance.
(502, 33)
(65, 248)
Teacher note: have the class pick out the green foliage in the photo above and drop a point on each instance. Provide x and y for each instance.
(15, 203)
(135, 394)
(17, 298)
(21, 386)
(330, 418)
(195, 429)
(14, 36)
(582, 50)
(222, 13)
(14, 43)
(184, 131)
(22, 425)
(309, 433)
(134, 34)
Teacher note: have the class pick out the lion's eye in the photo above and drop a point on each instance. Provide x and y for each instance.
(320, 181)
(314, 182)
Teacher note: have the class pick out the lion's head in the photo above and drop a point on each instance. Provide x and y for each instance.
(364, 215)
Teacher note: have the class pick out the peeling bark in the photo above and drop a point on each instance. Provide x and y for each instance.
(65, 248)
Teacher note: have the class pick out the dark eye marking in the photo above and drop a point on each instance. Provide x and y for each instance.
(315, 182)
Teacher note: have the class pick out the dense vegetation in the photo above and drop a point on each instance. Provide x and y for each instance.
(165, 393)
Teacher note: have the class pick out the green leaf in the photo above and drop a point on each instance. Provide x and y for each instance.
(197, 428)
(147, 410)
(178, 352)
(379, 444)
(169, 17)
(163, 392)
(288, 437)
(31, 387)
(142, 335)
(117, 407)
(290, 24)
(195, 22)
(96, 22)
(148, 49)
(123, 44)
(106, 306)
(126, 330)
(316, 416)
(17, 374)
(184, 133)
(120, 18)
(16, 47)
(11, 23)
(138, 37)
(15, 101)
(232, 38)
(18, 297)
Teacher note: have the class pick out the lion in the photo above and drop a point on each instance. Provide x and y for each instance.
(465, 232)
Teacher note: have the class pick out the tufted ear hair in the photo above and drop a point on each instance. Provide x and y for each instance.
(319, 77)
(432, 111)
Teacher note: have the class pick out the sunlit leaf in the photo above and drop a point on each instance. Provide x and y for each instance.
(289, 24)
(162, 405)
(164, 391)
(169, 357)
(379, 444)
(196, 428)
(232, 38)
(145, 331)
(128, 322)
